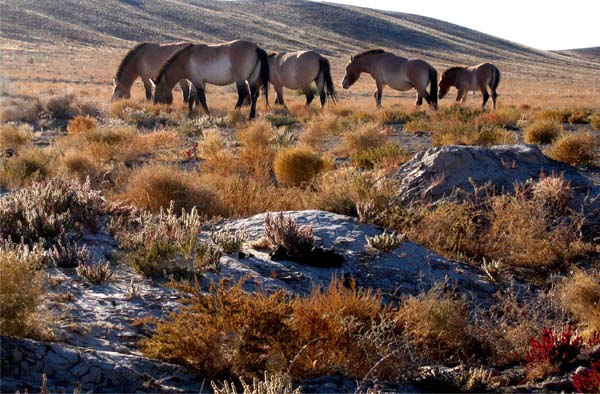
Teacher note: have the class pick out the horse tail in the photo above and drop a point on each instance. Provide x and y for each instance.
(325, 68)
(433, 89)
(495, 81)
(263, 74)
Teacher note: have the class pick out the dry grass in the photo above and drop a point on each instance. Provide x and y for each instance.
(30, 165)
(19, 109)
(153, 187)
(257, 153)
(595, 121)
(543, 131)
(80, 165)
(367, 136)
(502, 117)
(580, 295)
(297, 166)
(81, 124)
(14, 137)
(576, 149)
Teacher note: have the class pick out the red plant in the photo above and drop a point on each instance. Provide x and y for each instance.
(557, 350)
(588, 381)
(192, 152)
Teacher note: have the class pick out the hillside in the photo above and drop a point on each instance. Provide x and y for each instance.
(278, 25)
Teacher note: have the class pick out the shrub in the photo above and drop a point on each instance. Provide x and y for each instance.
(595, 121)
(95, 273)
(43, 210)
(577, 149)
(80, 165)
(580, 295)
(29, 166)
(553, 352)
(388, 155)
(579, 116)
(66, 253)
(496, 136)
(365, 137)
(153, 187)
(229, 241)
(588, 380)
(553, 191)
(542, 132)
(386, 242)
(61, 107)
(283, 231)
(271, 384)
(207, 257)
(437, 324)
(19, 109)
(318, 130)
(502, 117)
(387, 117)
(553, 115)
(297, 166)
(12, 137)
(20, 295)
(256, 155)
(81, 124)
(121, 108)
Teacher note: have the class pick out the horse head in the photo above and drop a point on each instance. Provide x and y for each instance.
(352, 74)
(162, 95)
(120, 91)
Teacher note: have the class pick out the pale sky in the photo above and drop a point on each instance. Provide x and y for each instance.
(540, 24)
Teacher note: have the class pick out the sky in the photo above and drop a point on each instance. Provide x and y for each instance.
(540, 24)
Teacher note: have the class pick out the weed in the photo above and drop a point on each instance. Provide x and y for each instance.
(577, 149)
(553, 352)
(81, 124)
(542, 132)
(588, 380)
(95, 273)
(297, 166)
(283, 231)
(386, 242)
(229, 241)
(580, 295)
(14, 137)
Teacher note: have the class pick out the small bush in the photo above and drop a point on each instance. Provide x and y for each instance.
(66, 253)
(271, 384)
(542, 132)
(81, 124)
(502, 117)
(579, 116)
(580, 295)
(121, 108)
(577, 149)
(588, 381)
(229, 241)
(95, 273)
(595, 121)
(20, 295)
(283, 231)
(153, 187)
(553, 115)
(29, 166)
(393, 117)
(79, 165)
(553, 352)
(207, 257)
(386, 242)
(256, 155)
(388, 155)
(553, 192)
(297, 166)
(12, 137)
(19, 109)
(496, 136)
(61, 107)
(365, 137)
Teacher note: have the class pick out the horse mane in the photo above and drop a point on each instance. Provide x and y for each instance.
(369, 52)
(128, 58)
(170, 61)
(454, 69)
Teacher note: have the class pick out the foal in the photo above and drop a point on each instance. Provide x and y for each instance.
(474, 78)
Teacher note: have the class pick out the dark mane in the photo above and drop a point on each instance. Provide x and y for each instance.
(170, 61)
(369, 52)
(128, 58)
(454, 69)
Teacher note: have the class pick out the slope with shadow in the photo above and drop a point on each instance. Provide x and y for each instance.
(336, 30)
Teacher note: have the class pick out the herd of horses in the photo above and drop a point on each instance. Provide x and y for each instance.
(250, 68)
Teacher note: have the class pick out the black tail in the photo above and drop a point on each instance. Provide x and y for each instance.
(263, 75)
(325, 68)
(433, 88)
(495, 81)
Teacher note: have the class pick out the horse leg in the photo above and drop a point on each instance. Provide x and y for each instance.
(242, 90)
(185, 88)
(485, 94)
(147, 88)
(309, 95)
(279, 92)
(419, 100)
(494, 95)
(460, 94)
(254, 97)
(320, 81)
(201, 97)
(379, 93)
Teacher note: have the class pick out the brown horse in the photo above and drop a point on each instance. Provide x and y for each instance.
(144, 61)
(297, 70)
(397, 72)
(473, 78)
(240, 62)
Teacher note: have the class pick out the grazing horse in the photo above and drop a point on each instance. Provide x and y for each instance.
(240, 62)
(397, 72)
(144, 61)
(297, 70)
(473, 78)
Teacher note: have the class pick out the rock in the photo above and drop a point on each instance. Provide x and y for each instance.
(435, 173)
(407, 270)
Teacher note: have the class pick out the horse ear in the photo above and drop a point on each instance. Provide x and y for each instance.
(351, 58)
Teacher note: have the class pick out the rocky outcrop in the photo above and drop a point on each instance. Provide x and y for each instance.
(437, 172)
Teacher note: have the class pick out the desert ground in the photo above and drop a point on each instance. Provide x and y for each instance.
(348, 248)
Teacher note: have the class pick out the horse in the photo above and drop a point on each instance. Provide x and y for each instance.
(397, 72)
(297, 70)
(473, 78)
(144, 61)
(240, 62)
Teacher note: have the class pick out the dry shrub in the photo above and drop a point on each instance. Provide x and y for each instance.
(496, 136)
(272, 383)
(319, 130)
(20, 295)
(387, 117)
(553, 115)
(542, 132)
(121, 108)
(502, 117)
(30, 165)
(14, 137)
(580, 295)
(553, 191)
(283, 232)
(437, 322)
(218, 159)
(153, 187)
(365, 137)
(256, 155)
(61, 107)
(579, 116)
(81, 124)
(388, 156)
(595, 121)
(79, 165)
(19, 109)
(577, 149)
(297, 166)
